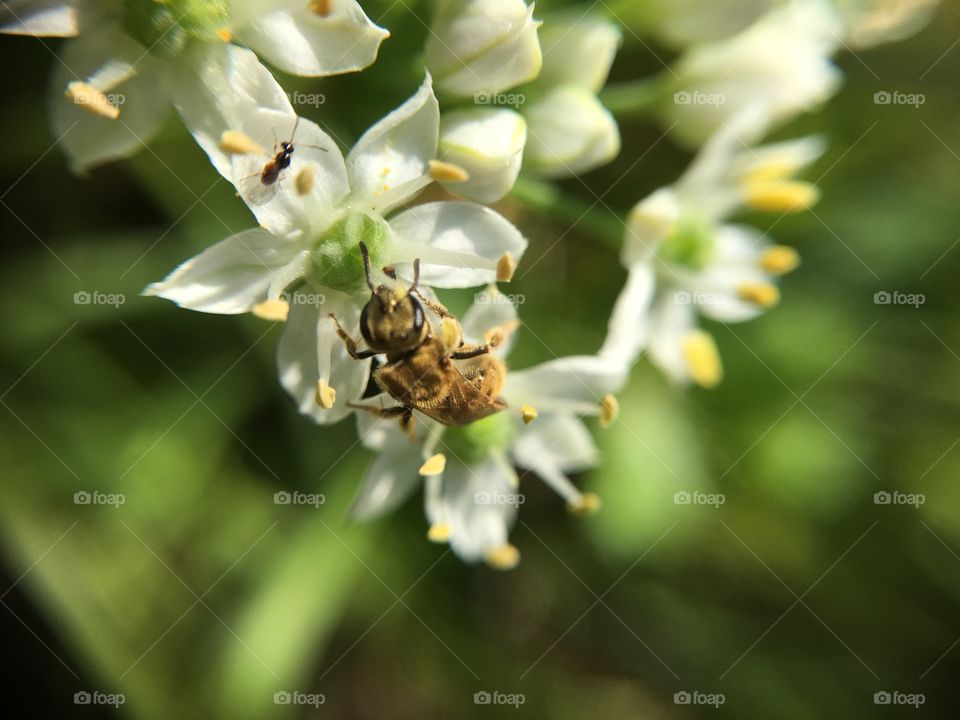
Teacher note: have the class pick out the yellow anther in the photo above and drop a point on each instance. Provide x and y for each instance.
(781, 195)
(447, 172)
(506, 267)
(450, 334)
(89, 98)
(779, 260)
(609, 410)
(497, 335)
(323, 8)
(504, 557)
(225, 34)
(439, 533)
(770, 170)
(304, 181)
(586, 504)
(763, 294)
(434, 465)
(326, 395)
(239, 143)
(702, 358)
(276, 310)
(528, 413)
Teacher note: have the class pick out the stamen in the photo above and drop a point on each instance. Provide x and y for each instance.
(447, 172)
(586, 504)
(609, 410)
(781, 195)
(528, 413)
(435, 465)
(506, 267)
(451, 334)
(763, 294)
(323, 8)
(225, 34)
(702, 358)
(439, 533)
(304, 181)
(236, 142)
(276, 310)
(326, 395)
(504, 557)
(89, 98)
(779, 260)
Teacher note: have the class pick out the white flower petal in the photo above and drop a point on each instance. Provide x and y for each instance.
(137, 87)
(395, 151)
(557, 441)
(389, 480)
(310, 339)
(458, 243)
(575, 384)
(651, 221)
(302, 42)
(42, 18)
(218, 86)
(280, 207)
(570, 133)
(670, 323)
(229, 277)
(578, 52)
(490, 309)
(628, 329)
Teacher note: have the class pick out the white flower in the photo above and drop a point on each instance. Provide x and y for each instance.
(872, 22)
(483, 46)
(307, 248)
(570, 131)
(683, 260)
(782, 60)
(471, 489)
(114, 83)
(686, 22)
(488, 144)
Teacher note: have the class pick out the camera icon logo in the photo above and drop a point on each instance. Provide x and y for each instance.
(681, 298)
(682, 98)
(681, 498)
(482, 698)
(481, 98)
(481, 498)
(882, 698)
(882, 498)
(82, 698)
(282, 498)
(282, 698)
(882, 98)
(81, 297)
(81, 498)
(881, 298)
(682, 698)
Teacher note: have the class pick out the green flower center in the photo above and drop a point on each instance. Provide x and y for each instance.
(165, 26)
(337, 262)
(691, 244)
(475, 442)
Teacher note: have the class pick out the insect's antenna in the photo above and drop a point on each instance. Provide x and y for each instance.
(294, 131)
(416, 276)
(366, 266)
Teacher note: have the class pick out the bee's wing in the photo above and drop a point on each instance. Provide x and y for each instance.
(248, 178)
(460, 403)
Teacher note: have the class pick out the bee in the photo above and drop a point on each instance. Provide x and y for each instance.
(438, 375)
(259, 187)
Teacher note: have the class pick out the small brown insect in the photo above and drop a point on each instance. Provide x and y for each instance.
(421, 371)
(259, 187)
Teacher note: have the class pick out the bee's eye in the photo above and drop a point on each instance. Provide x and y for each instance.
(418, 320)
(365, 329)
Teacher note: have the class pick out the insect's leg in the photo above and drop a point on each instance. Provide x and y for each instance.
(402, 413)
(350, 343)
(495, 337)
(471, 351)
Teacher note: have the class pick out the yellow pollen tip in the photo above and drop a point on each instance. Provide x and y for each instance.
(447, 172)
(781, 195)
(504, 557)
(326, 395)
(451, 334)
(89, 98)
(434, 465)
(586, 504)
(506, 267)
(439, 533)
(304, 181)
(763, 294)
(609, 410)
(771, 170)
(225, 34)
(323, 8)
(702, 358)
(779, 260)
(276, 310)
(528, 413)
(239, 143)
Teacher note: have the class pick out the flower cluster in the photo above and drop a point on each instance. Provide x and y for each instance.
(344, 243)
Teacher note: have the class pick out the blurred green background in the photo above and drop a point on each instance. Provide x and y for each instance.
(199, 597)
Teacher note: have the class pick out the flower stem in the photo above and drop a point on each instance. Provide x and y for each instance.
(548, 198)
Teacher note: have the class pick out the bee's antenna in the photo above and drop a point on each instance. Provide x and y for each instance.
(366, 265)
(416, 276)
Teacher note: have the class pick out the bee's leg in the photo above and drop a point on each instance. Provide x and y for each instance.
(495, 337)
(400, 412)
(350, 342)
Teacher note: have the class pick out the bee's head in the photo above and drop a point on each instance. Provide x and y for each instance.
(392, 321)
